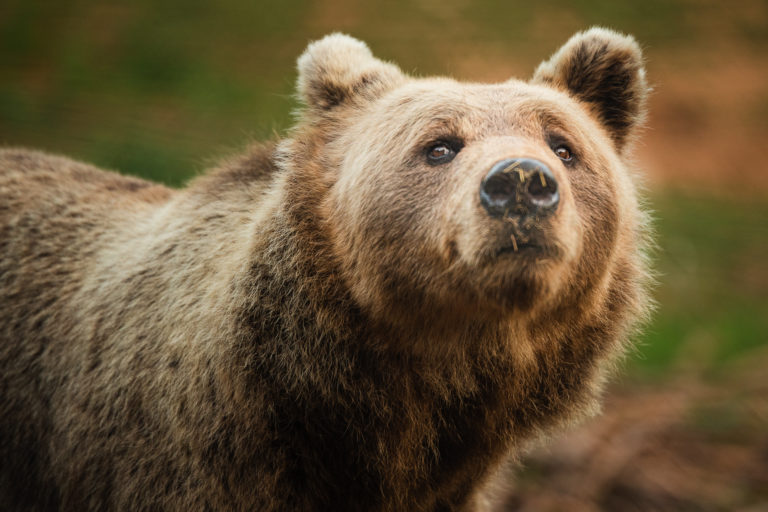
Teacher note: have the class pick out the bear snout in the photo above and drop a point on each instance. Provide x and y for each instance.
(519, 188)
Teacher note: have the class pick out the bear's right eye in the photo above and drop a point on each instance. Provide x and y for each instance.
(440, 153)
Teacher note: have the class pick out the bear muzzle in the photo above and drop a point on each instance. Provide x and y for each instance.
(523, 194)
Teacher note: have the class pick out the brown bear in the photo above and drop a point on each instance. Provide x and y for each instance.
(371, 314)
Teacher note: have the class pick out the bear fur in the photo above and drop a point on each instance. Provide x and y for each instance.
(331, 321)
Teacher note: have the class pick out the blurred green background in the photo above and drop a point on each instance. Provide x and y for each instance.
(162, 89)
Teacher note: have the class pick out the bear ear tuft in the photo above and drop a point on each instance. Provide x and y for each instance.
(339, 70)
(604, 69)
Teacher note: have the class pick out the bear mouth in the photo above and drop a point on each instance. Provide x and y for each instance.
(531, 247)
(521, 248)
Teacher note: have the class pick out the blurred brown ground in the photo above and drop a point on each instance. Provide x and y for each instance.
(687, 445)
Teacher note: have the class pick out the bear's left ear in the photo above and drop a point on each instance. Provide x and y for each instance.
(605, 70)
(340, 70)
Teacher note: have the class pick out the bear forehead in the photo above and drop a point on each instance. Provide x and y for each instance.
(444, 104)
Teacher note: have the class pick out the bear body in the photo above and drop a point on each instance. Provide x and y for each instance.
(373, 313)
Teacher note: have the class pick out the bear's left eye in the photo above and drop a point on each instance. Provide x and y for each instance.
(440, 153)
(563, 153)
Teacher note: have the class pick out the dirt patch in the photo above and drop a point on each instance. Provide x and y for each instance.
(690, 446)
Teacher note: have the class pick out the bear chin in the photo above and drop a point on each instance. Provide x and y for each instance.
(517, 281)
(522, 292)
(521, 270)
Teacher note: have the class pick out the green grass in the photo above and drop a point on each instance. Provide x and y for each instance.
(712, 287)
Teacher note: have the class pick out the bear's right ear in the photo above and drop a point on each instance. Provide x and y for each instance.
(339, 70)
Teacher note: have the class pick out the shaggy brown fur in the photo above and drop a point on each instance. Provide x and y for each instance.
(329, 323)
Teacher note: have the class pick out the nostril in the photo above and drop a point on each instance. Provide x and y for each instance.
(542, 189)
(499, 188)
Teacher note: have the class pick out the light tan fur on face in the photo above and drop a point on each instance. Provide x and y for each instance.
(327, 322)
(496, 122)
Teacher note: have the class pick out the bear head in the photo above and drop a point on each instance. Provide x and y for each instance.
(458, 202)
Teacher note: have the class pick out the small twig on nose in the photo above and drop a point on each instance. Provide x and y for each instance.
(511, 167)
(514, 167)
(514, 242)
(543, 181)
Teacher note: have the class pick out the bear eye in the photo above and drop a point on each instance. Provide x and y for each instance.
(440, 153)
(563, 153)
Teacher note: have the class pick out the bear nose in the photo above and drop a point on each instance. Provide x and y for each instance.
(519, 187)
